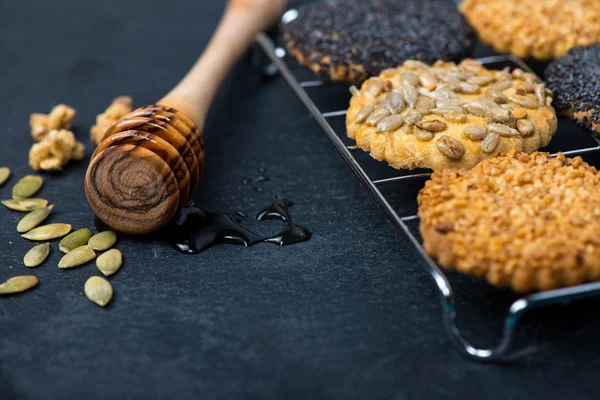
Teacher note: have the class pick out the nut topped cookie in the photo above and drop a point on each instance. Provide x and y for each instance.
(528, 222)
(543, 29)
(351, 40)
(575, 79)
(449, 115)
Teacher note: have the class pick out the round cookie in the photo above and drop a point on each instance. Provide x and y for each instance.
(528, 222)
(575, 80)
(542, 29)
(352, 40)
(449, 115)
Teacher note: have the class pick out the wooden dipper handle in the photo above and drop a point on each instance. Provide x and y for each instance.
(148, 164)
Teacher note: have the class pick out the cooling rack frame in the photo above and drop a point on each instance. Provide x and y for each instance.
(518, 308)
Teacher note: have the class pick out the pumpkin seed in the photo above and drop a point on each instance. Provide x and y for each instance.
(33, 219)
(77, 257)
(48, 232)
(27, 187)
(364, 113)
(18, 284)
(98, 290)
(25, 204)
(450, 147)
(4, 175)
(37, 255)
(109, 262)
(103, 240)
(75, 239)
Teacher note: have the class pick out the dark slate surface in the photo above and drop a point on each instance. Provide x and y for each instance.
(349, 315)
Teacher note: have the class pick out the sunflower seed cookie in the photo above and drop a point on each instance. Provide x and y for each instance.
(449, 115)
(575, 79)
(528, 222)
(352, 40)
(542, 29)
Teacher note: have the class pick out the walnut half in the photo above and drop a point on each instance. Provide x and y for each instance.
(60, 117)
(55, 151)
(120, 107)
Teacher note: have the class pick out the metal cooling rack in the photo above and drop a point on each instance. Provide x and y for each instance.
(403, 223)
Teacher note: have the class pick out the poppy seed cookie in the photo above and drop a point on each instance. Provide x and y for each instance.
(352, 40)
(449, 115)
(528, 222)
(575, 80)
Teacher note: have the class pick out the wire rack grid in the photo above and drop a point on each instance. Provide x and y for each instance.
(518, 308)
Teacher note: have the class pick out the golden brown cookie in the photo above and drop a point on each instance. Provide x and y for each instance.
(543, 29)
(449, 115)
(352, 40)
(575, 79)
(529, 222)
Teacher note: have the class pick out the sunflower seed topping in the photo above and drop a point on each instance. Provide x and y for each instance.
(432, 125)
(377, 116)
(364, 113)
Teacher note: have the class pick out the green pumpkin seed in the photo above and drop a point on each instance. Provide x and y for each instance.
(33, 219)
(98, 290)
(25, 204)
(27, 187)
(48, 232)
(4, 175)
(77, 257)
(75, 239)
(18, 284)
(103, 240)
(37, 255)
(109, 262)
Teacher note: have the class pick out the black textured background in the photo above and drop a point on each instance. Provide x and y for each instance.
(349, 315)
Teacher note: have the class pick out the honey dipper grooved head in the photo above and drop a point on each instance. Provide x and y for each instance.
(146, 167)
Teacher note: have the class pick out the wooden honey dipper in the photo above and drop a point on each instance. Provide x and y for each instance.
(148, 164)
